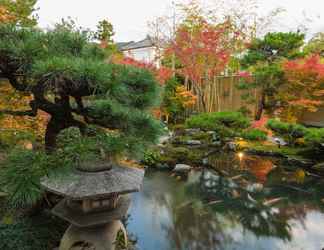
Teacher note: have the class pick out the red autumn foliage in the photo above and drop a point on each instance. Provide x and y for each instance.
(161, 74)
(305, 83)
(260, 124)
(202, 51)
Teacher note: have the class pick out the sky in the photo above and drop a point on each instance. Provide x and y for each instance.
(130, 17)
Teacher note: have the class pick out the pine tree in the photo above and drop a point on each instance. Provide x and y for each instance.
(66, 77)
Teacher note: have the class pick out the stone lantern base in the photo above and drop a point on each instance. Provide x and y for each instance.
(97, 238)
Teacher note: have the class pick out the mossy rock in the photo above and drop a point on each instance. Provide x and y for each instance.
(202, 136)
(180, 139)
(319, 168)
(178, 129)
(175, 155)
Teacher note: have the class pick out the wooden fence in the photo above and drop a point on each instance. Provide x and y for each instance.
(222, 94)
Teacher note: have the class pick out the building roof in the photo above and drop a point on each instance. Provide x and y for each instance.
(145, 43)
(81, 185)
(120, 45)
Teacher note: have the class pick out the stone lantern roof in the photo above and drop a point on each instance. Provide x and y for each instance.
(93, 198)
(81, 185)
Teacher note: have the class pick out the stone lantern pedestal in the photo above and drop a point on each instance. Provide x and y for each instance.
(96, 238)
(94, 204)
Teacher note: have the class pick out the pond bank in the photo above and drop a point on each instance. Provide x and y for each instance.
(194, 146)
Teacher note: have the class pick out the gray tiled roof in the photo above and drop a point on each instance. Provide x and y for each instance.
(147, 42)
(120, 45)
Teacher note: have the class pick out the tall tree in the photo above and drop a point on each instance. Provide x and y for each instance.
(316, 45)
(105, 32)
(21, 12)
(264, 59)
(304, 86)
(66, 77)
(203, 49)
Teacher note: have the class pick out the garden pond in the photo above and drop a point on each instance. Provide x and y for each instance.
(242, 203)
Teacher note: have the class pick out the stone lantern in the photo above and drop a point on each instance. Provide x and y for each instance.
(95, 202)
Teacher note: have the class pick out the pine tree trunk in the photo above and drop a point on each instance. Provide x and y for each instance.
(52, 130)
(260, 107)
(55, 126)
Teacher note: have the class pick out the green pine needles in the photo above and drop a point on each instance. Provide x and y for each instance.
(66, 76)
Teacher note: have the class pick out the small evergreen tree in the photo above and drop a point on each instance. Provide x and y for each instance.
(66, 76)
(264, 59)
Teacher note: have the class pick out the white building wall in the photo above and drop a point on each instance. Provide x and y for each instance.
(148, 55)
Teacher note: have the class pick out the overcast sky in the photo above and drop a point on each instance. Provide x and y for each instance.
(130, 17)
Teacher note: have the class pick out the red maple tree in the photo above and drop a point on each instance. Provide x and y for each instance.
(203, 50)
(304, 89)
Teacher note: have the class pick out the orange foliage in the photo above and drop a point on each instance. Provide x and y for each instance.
(185, 97)
(258, 167)
(12, 100)
(5, 15)
(305, 88)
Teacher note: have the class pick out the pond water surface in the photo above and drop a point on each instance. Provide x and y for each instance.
(239, 205)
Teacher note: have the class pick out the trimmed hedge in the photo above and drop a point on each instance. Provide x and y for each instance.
(212, 121)
(289, 131)
(226, 124)
(315, 138)
(254, 135)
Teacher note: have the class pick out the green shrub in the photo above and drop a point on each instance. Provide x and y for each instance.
(211, 121)
(20, 176)
(41, 232)
(151, 157)
(10, 138)
(254, 135)
(289, 131)
(315, 138)
(22, 170)
(226, 124)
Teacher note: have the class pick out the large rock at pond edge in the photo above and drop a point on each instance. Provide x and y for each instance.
(230, 146)
(193, 143)
(165, 139)
(182, 168)
(192, 131)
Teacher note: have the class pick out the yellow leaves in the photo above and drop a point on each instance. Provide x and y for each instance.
(12, 100)
(299, 176)
(185, 97)
(5, 15)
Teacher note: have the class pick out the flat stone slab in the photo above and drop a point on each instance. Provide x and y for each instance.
(79, 219)
(80, 185)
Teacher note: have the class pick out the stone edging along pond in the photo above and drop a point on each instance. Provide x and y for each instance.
(193, 146)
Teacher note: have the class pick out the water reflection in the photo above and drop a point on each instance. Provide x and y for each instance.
(211, 211)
